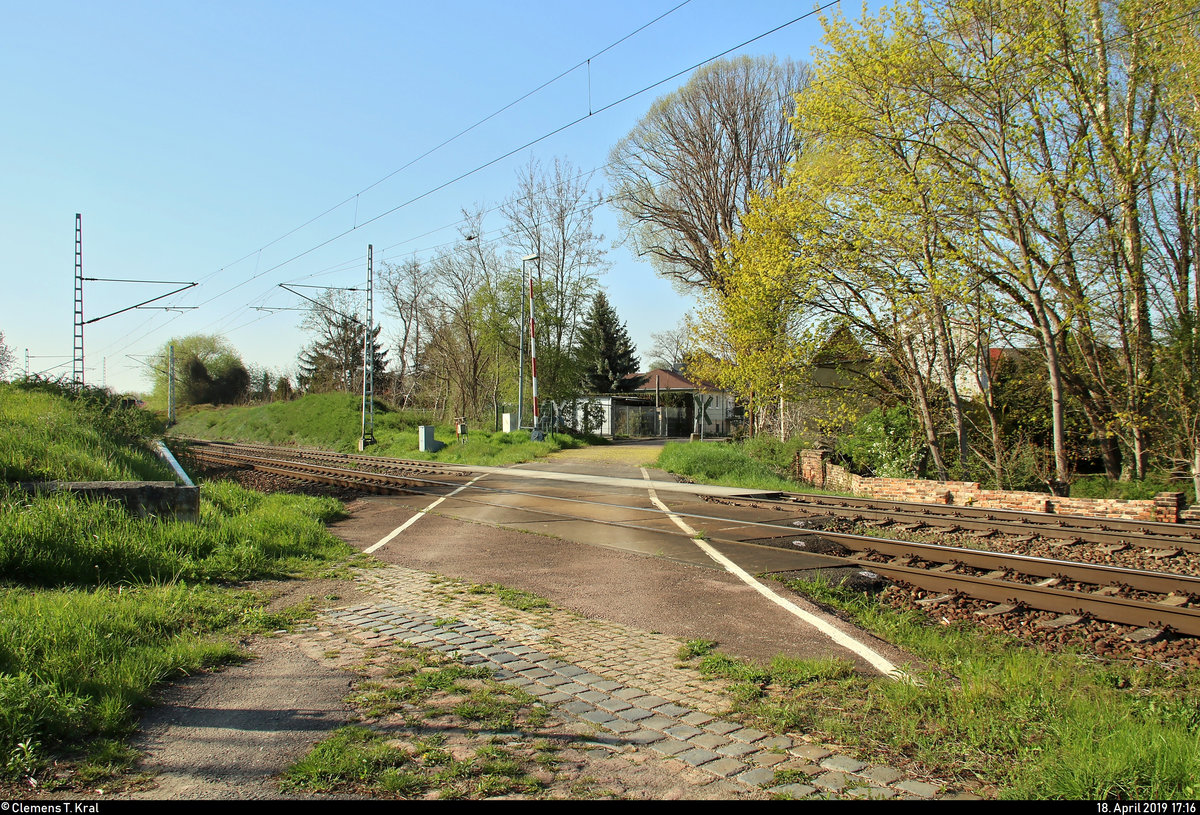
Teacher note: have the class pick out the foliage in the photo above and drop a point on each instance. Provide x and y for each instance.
(605, 353)
(63, 431)
(7, 358)
(883, 443)
(334, 361)
(208, 370)
(976, 176)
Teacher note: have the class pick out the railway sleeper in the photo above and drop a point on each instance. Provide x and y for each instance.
(993, 611)
(1061, 621)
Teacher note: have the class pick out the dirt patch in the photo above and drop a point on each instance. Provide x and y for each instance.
(637, 454)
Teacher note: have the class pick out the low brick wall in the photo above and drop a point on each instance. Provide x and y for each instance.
(811, 467)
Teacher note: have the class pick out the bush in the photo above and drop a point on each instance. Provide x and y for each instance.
(884, 443)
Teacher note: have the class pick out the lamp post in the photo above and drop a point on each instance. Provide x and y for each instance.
(521, 352)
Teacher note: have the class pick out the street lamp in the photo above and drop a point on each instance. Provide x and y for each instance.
(521, 352)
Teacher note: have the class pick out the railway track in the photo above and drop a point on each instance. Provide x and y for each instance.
(1071, 529)
(1153, 602)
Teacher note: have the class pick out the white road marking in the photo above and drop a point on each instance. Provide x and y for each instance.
(880, 663)
(413, 519)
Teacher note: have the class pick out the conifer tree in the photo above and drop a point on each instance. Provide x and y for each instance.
(606, 354)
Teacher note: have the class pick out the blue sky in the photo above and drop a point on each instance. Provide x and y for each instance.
(192, 136)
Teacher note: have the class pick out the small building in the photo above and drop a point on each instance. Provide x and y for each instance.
(674, 396)
(663, 405)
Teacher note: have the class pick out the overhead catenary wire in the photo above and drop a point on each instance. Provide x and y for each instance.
(491, 162)
(509, 153)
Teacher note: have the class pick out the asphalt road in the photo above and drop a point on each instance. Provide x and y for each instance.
(600, 546)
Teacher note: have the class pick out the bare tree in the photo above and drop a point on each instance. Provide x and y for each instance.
(550, 216)
(671, 348)
(686, 172)
(406, 298)
(458, 350)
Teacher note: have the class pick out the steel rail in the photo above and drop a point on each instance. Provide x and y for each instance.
(1064, 529)
(1038, 519)
(1114, 609)
(362, 479)
(1110, 609)
(1071, 529)
(1091, 573)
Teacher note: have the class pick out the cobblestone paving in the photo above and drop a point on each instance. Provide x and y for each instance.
(626, 683)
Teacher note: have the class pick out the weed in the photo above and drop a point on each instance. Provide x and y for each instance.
(513, 598)
(695, 648)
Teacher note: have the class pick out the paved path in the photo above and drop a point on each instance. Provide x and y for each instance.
(627, 683)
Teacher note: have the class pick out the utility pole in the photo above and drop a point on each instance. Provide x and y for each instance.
(77, 374)
(79, 278)
(535, 434)
(521, 342)
(171, 385)
(368, 429)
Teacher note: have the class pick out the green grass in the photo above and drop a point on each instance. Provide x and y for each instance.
(1035, 725)
(61, 539)
(356, 760)
(55, 432)
(333, 421)
(434, 696)
(725, 464)
(97, 606)
(513, 598)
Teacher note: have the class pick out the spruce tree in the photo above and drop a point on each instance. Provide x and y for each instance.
(606, 357)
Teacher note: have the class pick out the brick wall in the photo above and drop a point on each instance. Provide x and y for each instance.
(811, 467)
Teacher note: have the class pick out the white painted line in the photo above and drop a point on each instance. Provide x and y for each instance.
(876, 660)
(413, 519)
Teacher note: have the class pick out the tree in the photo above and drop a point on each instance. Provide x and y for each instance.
(551, 216)
(685, 173)
(606, 354)
(334, 362)
(406, 298)
(208, 370)
(671, 348)
(7, 358)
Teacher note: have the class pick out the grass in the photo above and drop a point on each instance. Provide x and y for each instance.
(333, 421)
(357, 760)
(434, 697)
(730, 465)
(513, 598)
(98, 606)
(987, 708)
(60, 432)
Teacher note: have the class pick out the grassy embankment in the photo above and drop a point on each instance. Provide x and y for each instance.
(1033, 725)
(333, 421)
(758, 464)
(97, 606)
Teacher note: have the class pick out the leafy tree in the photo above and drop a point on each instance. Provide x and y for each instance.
(208, 370)
(884, 443)
(606, 353)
